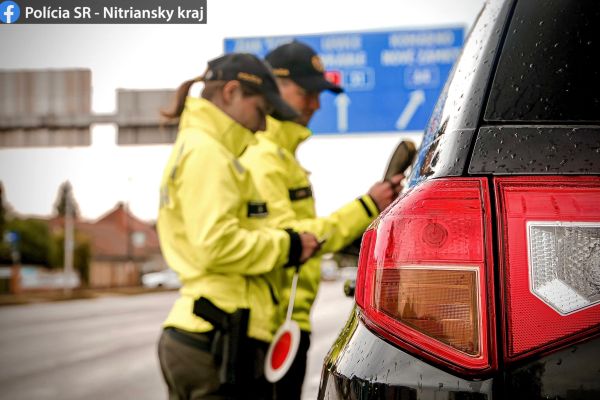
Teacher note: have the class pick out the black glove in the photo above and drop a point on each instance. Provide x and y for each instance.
(295, 249)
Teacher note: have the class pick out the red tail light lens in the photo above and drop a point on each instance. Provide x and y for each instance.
(424, 275)
(550, 247)
(366, 252)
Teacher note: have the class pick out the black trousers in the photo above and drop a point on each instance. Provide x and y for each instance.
(290, 386)
(190, 372)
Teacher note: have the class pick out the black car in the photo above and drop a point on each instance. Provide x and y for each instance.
(482, 281)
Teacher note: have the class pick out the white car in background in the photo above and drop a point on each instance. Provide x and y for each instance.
(166, 279)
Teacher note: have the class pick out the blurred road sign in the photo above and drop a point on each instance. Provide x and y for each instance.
(11, 237)
(45, 107)
(53, 108)
(392, 79)
(139, 119)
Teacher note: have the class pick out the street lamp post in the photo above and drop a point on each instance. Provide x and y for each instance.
(69, 246)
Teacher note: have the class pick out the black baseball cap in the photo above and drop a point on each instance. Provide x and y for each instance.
(255, 73)
(300, 63)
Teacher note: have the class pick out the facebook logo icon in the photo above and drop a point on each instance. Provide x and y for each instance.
(9, 12)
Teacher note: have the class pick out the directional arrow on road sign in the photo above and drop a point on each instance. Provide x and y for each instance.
(416, 98)
(342, 101)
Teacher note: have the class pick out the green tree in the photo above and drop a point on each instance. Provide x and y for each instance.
(4, 247)
(34, 241)
(6, 216)
(5, 256)
(3, 210)
(65, 191)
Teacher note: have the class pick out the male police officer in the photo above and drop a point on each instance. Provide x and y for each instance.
(214, 232)
(283, 182)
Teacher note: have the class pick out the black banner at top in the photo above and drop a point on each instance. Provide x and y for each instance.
(103, 12)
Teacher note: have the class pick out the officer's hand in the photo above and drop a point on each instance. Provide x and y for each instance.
(310, 245)
(383, 193)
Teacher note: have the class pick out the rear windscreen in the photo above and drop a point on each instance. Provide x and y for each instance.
(549, 69)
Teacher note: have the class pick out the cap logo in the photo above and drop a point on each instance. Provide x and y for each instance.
(281, 72)
(208, 75)
(249, 78)
(317, 63)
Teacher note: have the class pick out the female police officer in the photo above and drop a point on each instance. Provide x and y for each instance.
(214, 232)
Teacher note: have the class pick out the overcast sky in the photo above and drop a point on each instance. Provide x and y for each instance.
(162, 56)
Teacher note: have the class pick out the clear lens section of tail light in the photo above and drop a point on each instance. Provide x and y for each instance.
(564, 264)
(549, 256)
(426, 274)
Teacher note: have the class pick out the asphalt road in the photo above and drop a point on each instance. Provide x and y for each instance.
(105, 348)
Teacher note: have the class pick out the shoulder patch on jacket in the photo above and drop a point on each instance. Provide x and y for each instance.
(300, 193)
(257, 209)
(238, 166)
(281, 153)
(177, 161)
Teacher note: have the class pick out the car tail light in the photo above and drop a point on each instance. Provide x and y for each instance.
(550, 246)
(425, 280)
(364, 259)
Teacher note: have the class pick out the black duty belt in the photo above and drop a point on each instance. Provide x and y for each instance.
(199, 340)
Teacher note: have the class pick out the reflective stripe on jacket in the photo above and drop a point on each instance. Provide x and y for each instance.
(285, 185)
(212, 224)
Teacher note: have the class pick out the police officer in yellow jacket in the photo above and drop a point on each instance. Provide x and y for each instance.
(285, 185)
(215, 232)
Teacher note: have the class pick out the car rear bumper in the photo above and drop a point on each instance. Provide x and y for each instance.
(361, 365)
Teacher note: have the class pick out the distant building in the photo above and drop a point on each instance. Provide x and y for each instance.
(123, 247)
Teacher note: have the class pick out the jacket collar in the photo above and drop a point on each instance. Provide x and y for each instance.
(202, 114)
(286, 134)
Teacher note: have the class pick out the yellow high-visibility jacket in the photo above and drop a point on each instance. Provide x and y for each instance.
(213, 225)
(285, 186)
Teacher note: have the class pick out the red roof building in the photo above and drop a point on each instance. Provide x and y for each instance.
(122, 247)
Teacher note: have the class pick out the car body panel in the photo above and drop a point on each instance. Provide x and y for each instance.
(483, 125)
(361, 365)
(394, 374)
(547, 150)
(457, 112)
(547, 71)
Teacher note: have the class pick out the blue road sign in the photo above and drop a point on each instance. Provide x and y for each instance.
(391, 79)
(12, 237)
